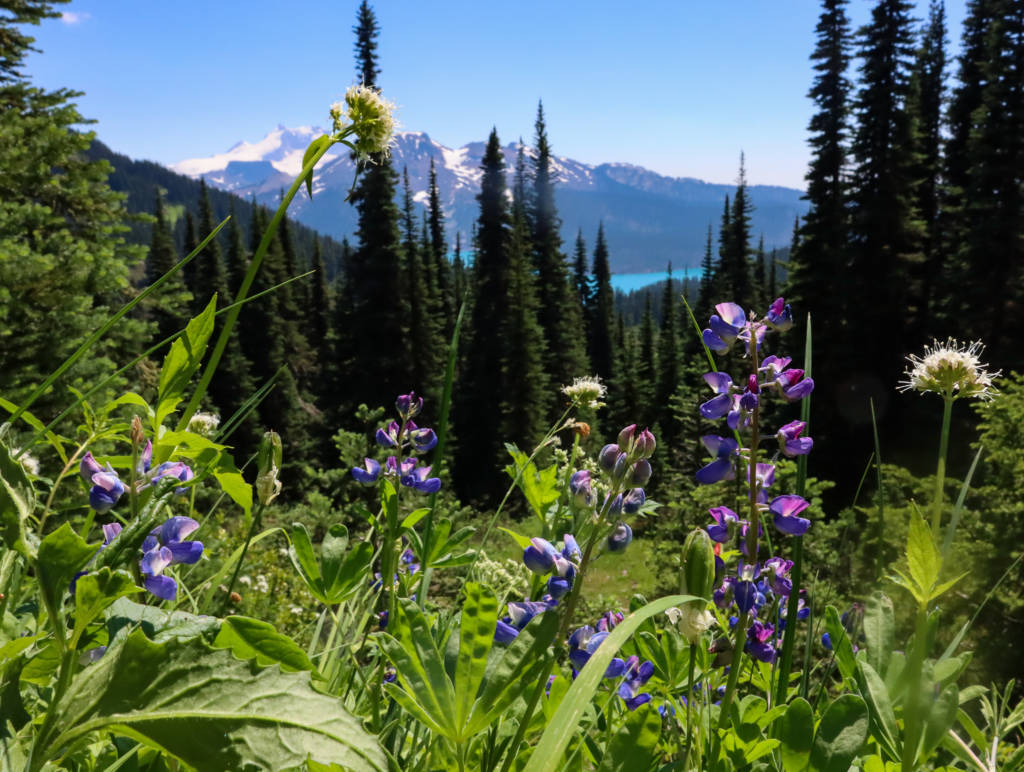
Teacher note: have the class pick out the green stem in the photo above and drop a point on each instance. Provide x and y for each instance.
(912, 723)
(256, 519)
(789, 637)
(940, 470)
(689, 700)
(37, 758)
(734, 669)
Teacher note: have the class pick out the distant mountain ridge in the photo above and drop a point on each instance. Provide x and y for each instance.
(649, 219)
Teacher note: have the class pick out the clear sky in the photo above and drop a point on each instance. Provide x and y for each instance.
(678, 87)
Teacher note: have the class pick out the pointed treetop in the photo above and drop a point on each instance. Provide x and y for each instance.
(367, 30)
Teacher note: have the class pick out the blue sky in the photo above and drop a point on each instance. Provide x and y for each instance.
(678, 87)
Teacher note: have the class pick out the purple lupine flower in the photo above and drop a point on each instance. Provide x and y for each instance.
(723, 596)
(759, 641)
(719, 405)
(106, 489)
(582, 645)
(519, 614)
(89, 466)
(780, 315)
(582, 489)
(645, 444)
(724, 449)
(608, 456)
(171, 536)
(786, 510)
(615, 508)
(765, 476)
(110, 532)
(637, 676)
(626, 437)
(737, 413)
(779, 581)
(826, 641)
(725, 327)
(608, 621)
(620, 538)
(719, 530)
(563, 574)
(745, 592)
(388, 437)
(621, 466)
(539, 557)
(570, 549)
(423, 440)
(773, 365)
(409, 405)
(419, 480)
(176, 470)
(368, 473)
(790, 441)
(793, 385)
(152, 565)
(408, 560)
(802, 610)
(641, 472)
(633, 500)
(145, 459)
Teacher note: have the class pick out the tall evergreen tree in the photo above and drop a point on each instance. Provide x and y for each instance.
(373, 276)
(646, 366)
(926, 103)
(560, 316)
(602, 311)
(459, 280)
(237, 255)
(580, 279)
(420, 306)
(773, 289)
(885, 234)
(735, 265)
(191, 274)
(706, 298)
(211, 259)
(667, 381)
(761, 299)
(820, 251)
(439, 247)
(171, 309)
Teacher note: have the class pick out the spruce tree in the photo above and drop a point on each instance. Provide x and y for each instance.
(170, 310)
(706, 300)
(459, 279)
(735, 265)
(646, 366)
(561, 317)
(422, 321)
(720, 283)
(580, 279)
(191, 274)
(237, 255)
(439, 247)
(366, 30)
(819, 251)
(602, 311)
(885, 234)
(211, 261)
(773, 290)
(667, 381)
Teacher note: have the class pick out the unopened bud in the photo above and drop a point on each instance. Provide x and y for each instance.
(608, 456)
(699, 565)
(646, 444)
(268, 487)
(626, 437)
(641, 472)
(138, 435)
(409, 405)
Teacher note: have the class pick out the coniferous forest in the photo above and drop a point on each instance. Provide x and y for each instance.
(196, 385)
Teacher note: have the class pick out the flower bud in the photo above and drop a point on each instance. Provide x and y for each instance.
(698, 565)
(641, 472)
(626, 437)
(607, 457)
(621, 466)
(409, 405)
(138, 435)
(269, 464)
(645, 444)
(620, 538)
(581, 489)
(633, 500)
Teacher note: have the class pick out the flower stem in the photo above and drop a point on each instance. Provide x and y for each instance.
(940, 470)
(734, 670)
(257, 518)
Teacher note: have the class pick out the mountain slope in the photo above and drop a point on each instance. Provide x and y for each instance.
(649, 219)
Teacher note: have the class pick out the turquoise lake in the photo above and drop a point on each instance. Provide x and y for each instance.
(627, 282)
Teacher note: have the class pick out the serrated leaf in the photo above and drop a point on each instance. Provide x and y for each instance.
(796, 735)
(211, 710)
(184, 358)
(633, 745)
(841, 734)
(253, 639)
(17, 500)
(539, 486)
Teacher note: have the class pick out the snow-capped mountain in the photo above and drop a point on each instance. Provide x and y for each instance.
(649, 219)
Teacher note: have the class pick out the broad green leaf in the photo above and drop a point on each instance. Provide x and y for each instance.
(909, 585)
(332, 553)
(304, 560)
(796, 735)
(476, 636)
(17, 500)
(42, 667)
(539, 486)
(389, 503)
(344, 570)
(210, 710)
(841, 646)
(155, 623)
(633, 746)
(940, 720)
(547, 756)
(62, 554)
(252, 639)
(922, 557)
(522, 541)
(878, 630)
(415, 516)
(883, 719)
(97, 590)
(841, 734)
(184, 358)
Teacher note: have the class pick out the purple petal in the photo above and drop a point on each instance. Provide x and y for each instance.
(718, 381)
(798, 447)
(539, 557)
(177, 528)
(720, 469)
(505, 633)
(788, 505)
(799, 391)
(111, 532)
(88, 467)
(145, 459)
(384, 439)
(732, 313)
(716, 407)
(713, 342)
(186, 551)
(794, 526)
(423, 439)
(155, 561)
(162, 586)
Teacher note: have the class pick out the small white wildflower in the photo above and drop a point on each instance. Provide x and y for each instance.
(951, 369)
(296, 610)
(692, 619)
(204, 424)
(246, 580)
(586, 392)
(262, 585)
(371, 118)
(28, 462)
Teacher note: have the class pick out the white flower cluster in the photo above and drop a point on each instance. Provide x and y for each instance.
(692, 619)
(586, 392)
(371, 117)
(204, 424)
(28, 462)
(952, 369)
(503, 576)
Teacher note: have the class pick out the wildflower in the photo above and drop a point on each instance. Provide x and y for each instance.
(790, 442)
(409, 405)
(422, 440)
(952, 369)
(411, 475)
(539, 557)
(368, 473)
(692, 619)
(759, 637)
(724, 449)
(388, 437)
(779, 569)
(170, 536)
(586, 392)
(107, 487)
(519, 614)
(608, 456)
(725, 326)
(641, 472)
(609, 620)
(570, 548)
(564, 572)
(370, 115)
(780, 315)
(793, 386)
(582, 645)
(785, 510)
(620, 538)
(204, 424)
(637, 675)
(719, 405)
(719, 530)
(745, 592)
(633, 500)
(581, 489)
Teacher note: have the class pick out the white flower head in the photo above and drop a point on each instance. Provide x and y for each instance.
(371, 118)
(693, 620)
(951, 368)
(204, 424)
(28, 462)
(586, 392)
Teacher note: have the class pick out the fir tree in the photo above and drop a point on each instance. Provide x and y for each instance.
(191, 274)
(773, 290)
(667, 381)
(602, 311)
(646, 366)
(439, 247)
(213, 271)
(367, 31)
(561, 317)
(884, 232)
(819, 251)
(170, 309)
(459, 282)
(735, 265)
(706, 299)
(421, 320)
(238, 256)
(580, 279)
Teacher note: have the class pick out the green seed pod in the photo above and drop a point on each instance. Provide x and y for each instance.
(699, 565)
